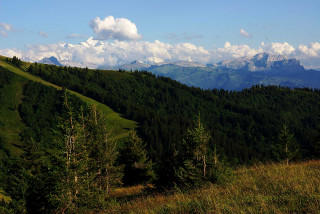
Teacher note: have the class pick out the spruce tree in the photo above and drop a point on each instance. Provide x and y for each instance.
(137, 166)
(71, 158)
(103, 155)
(193, 155)
(286, 148)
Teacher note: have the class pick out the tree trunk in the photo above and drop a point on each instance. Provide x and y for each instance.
(204, 165)
(287, 159)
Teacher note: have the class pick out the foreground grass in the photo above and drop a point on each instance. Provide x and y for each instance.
(273, 188)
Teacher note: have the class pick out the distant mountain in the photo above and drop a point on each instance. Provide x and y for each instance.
(51, 61)
(135, 65)
(237, 74)
(234, 74)
(263, 62)
(151, 63)
(187, 64)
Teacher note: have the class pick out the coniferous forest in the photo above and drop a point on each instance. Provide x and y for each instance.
(186, 137)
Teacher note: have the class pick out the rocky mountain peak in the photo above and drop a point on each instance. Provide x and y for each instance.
(51, 61)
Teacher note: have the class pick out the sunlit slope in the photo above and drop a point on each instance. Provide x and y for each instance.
(118, 125)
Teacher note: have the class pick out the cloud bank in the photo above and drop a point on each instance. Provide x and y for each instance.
(92, 52)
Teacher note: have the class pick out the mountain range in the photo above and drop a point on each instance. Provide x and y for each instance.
(234, 74)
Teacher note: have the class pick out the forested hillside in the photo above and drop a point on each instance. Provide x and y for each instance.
(58, 153)
(35, 122)
(244, 125)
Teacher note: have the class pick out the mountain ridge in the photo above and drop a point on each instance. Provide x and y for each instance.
(232, 74)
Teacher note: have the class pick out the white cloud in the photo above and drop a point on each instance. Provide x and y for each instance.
(278, 48)
(114, 28)
(311, 51)
(244, 33)
(5, 28)
(236, 51)
(11, 52)
(43, 34)
(309, 55)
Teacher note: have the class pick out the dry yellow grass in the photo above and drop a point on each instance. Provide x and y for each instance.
(273, 188)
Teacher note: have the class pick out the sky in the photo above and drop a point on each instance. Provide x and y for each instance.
(96, 32)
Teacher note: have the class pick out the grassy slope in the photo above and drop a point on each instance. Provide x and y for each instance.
(118, 124)
(10, 122)
(274, 188)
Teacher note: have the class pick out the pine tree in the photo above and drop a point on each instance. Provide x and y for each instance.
(193, 155)
(103, 154)
(286, 147)
(137, 166)
(198, 138)
(73, 172)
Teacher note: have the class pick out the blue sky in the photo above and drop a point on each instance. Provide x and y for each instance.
(207, 24)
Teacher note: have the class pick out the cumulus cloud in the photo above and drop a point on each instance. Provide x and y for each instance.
(309, 55)
(5, 28)
(114, 28)
(312, 50)
(43, 34)
(278, 48)
(244, 33)
(236, 51)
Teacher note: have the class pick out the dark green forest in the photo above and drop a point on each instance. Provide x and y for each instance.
(186, 136)
(237, 120)
(244, 125)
